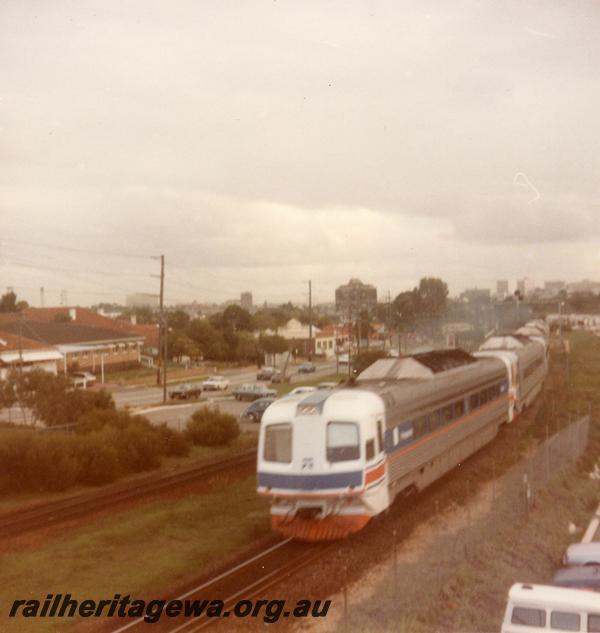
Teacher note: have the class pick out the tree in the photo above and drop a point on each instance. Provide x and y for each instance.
(233, 318)
(428, 300)
(433, 293)
(9, 303)
(178, 320)
(180, 344)
(274, 344)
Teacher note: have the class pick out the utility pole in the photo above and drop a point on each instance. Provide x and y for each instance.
(20, 343)
(161, 330)
(42, 296)
(310, 344)
(349, 340)
(165, 356)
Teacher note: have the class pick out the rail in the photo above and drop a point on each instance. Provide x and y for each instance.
(54, 512)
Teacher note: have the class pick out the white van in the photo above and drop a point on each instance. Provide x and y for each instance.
(536, 608)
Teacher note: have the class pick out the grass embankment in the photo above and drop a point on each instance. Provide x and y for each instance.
(197, 454)
(142, 552)
(460, 581)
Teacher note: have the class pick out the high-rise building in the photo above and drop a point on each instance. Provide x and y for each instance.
(355, 295)
(141, 300)
(246, 300)
(501, 289)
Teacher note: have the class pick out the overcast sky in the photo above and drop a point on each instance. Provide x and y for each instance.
(261, 144)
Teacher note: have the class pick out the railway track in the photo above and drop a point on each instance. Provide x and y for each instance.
(245, 581)
(52, 513)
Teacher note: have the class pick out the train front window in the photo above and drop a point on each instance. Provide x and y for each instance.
(342, 441)
(278, 443)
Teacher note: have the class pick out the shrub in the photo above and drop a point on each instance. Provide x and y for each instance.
(98, 459)
(13, 448)
(210, 427)
(173, 443)
(137, 448)
(50, 463)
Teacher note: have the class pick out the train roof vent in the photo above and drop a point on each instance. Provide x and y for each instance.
(416, 367)
(445, 359)
(313, 403)
(505, 341)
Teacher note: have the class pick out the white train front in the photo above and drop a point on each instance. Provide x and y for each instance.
(329, 461)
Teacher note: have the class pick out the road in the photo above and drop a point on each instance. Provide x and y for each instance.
(149, 399)
(148, 396)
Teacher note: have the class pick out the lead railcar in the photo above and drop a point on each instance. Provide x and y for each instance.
(330, 461)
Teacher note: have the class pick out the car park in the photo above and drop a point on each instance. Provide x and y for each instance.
(185, 391)
(582, 554)
(307, 368)
(265, 373)
(253, 392)
(254, 412)
(216, 383)
(82, 379)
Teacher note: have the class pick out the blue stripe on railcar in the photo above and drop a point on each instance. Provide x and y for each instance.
(310, 482)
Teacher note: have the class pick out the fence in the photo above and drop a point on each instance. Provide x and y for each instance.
(440, 575)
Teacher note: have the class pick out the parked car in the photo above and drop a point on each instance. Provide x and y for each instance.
(216, 383)
(307, 368)
(254, 412)
(82, 378)
(185, 391)
(265, 373)
(327, 385)
(582, 554)
(253, 392)
(304, 389)
(277, 377)
(578, 578)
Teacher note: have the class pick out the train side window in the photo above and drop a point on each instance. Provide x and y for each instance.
(473, 401)
(491, 393)
(370, 449)
(342, 441)
(483, 397)
(447, 414)
(563, 621)
(434, 420)
(459, 408)
(379, 435)
(419, 427)
(278, 443)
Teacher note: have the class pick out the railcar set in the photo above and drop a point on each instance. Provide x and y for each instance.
(329, 461)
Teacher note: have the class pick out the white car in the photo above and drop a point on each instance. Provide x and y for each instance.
(82, 378)
(582, 554)
(305, 389)
(216, 383)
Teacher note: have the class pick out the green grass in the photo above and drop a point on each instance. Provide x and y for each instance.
(143, 552)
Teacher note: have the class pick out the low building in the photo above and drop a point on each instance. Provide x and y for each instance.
(20, 352)
(332, 340)
(81, 346)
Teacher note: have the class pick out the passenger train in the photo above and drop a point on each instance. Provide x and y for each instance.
(331, 460)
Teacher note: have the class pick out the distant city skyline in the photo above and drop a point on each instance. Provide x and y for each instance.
(259, 145)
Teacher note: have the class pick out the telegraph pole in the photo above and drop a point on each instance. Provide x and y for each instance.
(161, 329)
(310, 345)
